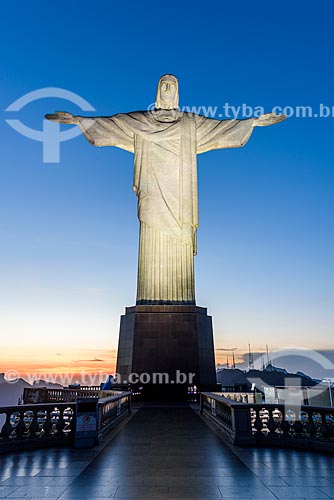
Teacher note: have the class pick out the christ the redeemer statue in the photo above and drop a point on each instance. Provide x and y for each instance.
(165, 143)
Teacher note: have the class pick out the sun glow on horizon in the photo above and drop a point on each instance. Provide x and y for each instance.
(87, 366)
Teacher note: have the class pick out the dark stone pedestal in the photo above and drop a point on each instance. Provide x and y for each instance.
(162, 342)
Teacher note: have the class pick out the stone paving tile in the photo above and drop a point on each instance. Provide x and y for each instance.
(60, 481)
(38, 491)
(68, 472)
(27, 480)
(253, 492)
(154, 498)
(141, 491)
(328, 490)
(270, 474)
(239, 481)
(307, 480)
(193, 492)
(265, 475)
(52, 465)
(280, 470)
(296, 492)
(169, 480)
(329, 478)
(319, 465)
(258, 465)
(165, 498)
(6, 490)
(78, 463)
(122, 474)
(23, 472)
(274, 481)
(90, 490)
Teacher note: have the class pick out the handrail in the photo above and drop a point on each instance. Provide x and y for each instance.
(271, 424)
(111, 409)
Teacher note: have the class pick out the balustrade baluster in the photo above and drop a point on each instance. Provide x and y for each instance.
(304, 419)
(325, 430)
(272, 424)
(20, 427)
(310, 426)
(7, 428)
(47, 425)
(61, 424)
(318, 423)
(298, 428)
(285, 426)
(34, 426)
(258, 424)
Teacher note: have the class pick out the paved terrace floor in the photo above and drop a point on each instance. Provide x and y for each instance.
(166, 453)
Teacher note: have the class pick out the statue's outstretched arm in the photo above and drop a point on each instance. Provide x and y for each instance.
(63, 117)
(100, 130)
(268, 119)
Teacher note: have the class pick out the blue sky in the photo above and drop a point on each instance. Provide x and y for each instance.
(68, 231)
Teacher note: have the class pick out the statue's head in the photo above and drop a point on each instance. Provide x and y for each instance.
(167, 93)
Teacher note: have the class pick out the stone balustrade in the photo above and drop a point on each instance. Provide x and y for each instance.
(111, 409)
(242, 397)
(303, 426)
(53, 424)
(32, 395)
(40, 425)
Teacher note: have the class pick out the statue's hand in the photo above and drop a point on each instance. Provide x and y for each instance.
(62, 117)
(268, 119)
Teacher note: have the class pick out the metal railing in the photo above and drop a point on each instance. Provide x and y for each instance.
(310, 427)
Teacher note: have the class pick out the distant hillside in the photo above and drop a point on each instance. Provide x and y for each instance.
(11, 392)
(276, 377)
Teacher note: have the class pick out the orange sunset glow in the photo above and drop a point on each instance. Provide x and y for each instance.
(83, 366)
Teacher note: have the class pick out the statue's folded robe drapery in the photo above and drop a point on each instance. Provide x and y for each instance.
(165, 144)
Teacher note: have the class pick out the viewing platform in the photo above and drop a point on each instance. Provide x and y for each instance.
(166, 452)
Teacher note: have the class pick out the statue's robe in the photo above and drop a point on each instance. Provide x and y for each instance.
(165, 144)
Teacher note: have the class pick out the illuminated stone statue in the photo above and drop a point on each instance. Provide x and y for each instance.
(165, 143)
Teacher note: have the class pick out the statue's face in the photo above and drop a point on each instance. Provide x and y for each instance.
(167, 92)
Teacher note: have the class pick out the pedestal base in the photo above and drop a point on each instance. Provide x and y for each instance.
(166, 345)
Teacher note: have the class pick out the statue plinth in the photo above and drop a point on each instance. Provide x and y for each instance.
(166, 341)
